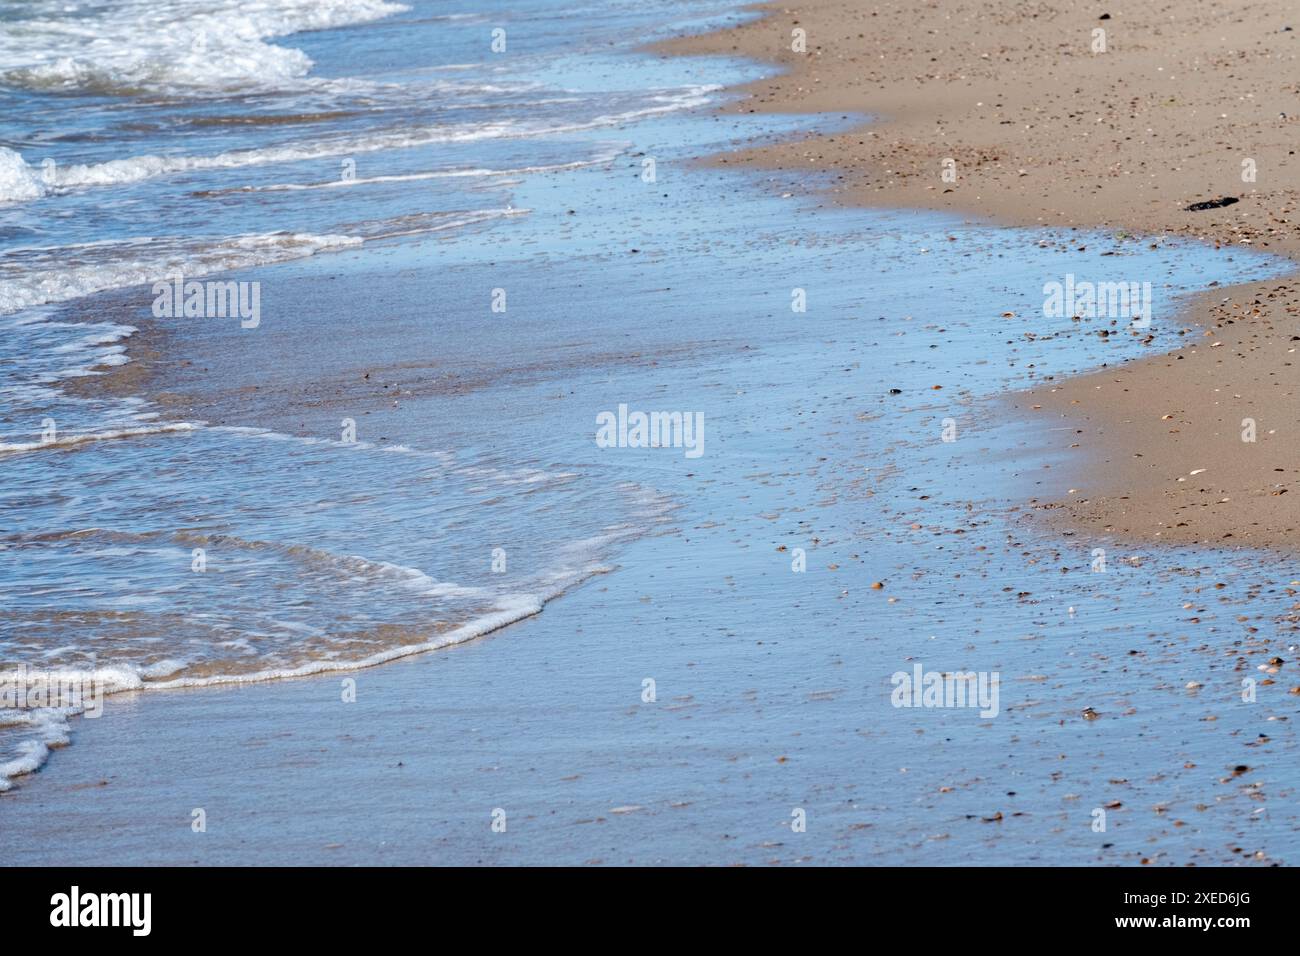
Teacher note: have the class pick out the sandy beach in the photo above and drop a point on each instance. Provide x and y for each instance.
(1044, 131)
(369, 585)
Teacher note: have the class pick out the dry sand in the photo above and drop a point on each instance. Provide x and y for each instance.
(1044, 131)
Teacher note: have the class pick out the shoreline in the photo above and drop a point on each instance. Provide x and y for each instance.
(1073, 161)
(914, 128)
(771, 685)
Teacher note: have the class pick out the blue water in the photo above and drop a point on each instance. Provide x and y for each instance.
(164, 549)
(525, 171)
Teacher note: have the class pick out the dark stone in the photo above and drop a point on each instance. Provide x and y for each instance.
(1212, 204)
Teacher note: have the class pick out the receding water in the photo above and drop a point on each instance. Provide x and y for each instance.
(475, 429)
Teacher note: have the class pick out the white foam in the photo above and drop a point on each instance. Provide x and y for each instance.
(44, 728)
(138, 168)
(174, 46)
(114, 679)
(579, 561)
(62, 441)
(108, 334)
(18, 181)
(47, 727)
(604, 157)
(511, 609)
(37, 276)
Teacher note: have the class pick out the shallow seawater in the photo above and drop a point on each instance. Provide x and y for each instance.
(864, 431)
(206, 138)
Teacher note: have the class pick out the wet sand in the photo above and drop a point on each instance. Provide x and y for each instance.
(772, 688)
(1043, 131)
(1120, 691)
